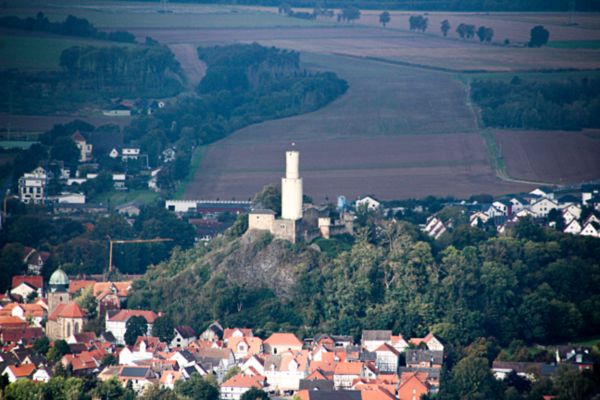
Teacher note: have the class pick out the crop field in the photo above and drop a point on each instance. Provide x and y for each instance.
(404, 128)
(553, 156)
(42, 123)
(403, 151)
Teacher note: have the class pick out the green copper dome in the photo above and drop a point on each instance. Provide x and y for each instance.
(59, 281)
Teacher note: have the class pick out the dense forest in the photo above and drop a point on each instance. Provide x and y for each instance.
(92, 75)
(539, 104)
(71, 26)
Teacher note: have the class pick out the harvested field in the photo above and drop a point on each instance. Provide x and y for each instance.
(394, 45)
(389, 167)
(553, 157)
(375, 139)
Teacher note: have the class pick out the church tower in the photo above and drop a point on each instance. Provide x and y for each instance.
(59, 290)
(291, 188)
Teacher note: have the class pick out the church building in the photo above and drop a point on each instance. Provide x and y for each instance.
(65, 317)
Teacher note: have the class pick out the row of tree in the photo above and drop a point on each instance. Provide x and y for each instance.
(128, 70)
(559, 104)
(71, 26)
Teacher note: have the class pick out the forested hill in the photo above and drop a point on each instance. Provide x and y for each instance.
(534, 285)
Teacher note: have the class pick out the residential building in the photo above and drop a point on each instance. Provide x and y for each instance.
(278, 343)
(235, 387)
(32, 186)
(117, 322)
(85, 148)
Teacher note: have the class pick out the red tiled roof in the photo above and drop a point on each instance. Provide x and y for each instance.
(387, 347)
(124, 315)
(283, 339)
(23, 370)
(244, 381)
(77, 284)
(70, 310)
(35, 281)
(348, 368)
(228, 332)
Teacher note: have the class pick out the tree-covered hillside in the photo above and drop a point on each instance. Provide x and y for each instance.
(534, 285)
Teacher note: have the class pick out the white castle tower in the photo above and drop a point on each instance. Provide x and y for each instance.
(291, 188)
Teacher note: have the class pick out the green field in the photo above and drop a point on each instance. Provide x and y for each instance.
(39, 53)
(16, 144)
(540, 76)
(196, 158)
(575, 44)
(116, 198)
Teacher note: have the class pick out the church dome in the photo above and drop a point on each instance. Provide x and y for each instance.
(59, 281)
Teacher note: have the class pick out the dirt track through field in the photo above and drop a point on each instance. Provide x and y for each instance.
(194, 68)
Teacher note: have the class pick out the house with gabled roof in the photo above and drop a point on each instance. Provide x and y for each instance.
(573, 227)
(542, 207)
(253, 365)
(591, 229)
(15, 373)
(169, 378)
(346, 372)
(430, 341)
(116, 322)
(235, 387)
(372, 339)
(213, 333)
(420, 358)
(285, 369)
(25, 285)
(388, 358)
(412, 388)
(243, 347)
(280, 342)
(183, 336)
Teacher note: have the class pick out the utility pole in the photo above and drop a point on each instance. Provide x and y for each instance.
(111, 242)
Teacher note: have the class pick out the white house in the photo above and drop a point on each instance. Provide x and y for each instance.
(85, 148)
(41, 375)
(388, 358)
(278, 343)
(543, 206)
(32, 186)
(346, 372)
(368, 201)
(253, 363)
(234, 388)
(517, 204)
(591, 229)
(130, 153)
(434, 227)
(129, 356)
(478, 218)
(285, 370)
(372, 339)
(119, 181)
(542, 192)
(568, 216)
(574, 227)
(588, 192)
(184, 335)
(504, 206)
(15, 373)
(116, 323)
(430, 341)
(24, 290)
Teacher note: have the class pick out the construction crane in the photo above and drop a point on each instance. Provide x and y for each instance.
(110, 254)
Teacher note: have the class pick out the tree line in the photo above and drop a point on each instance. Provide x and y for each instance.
(71, 26)
(92, 75)
(442, 5)
(538, 104)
